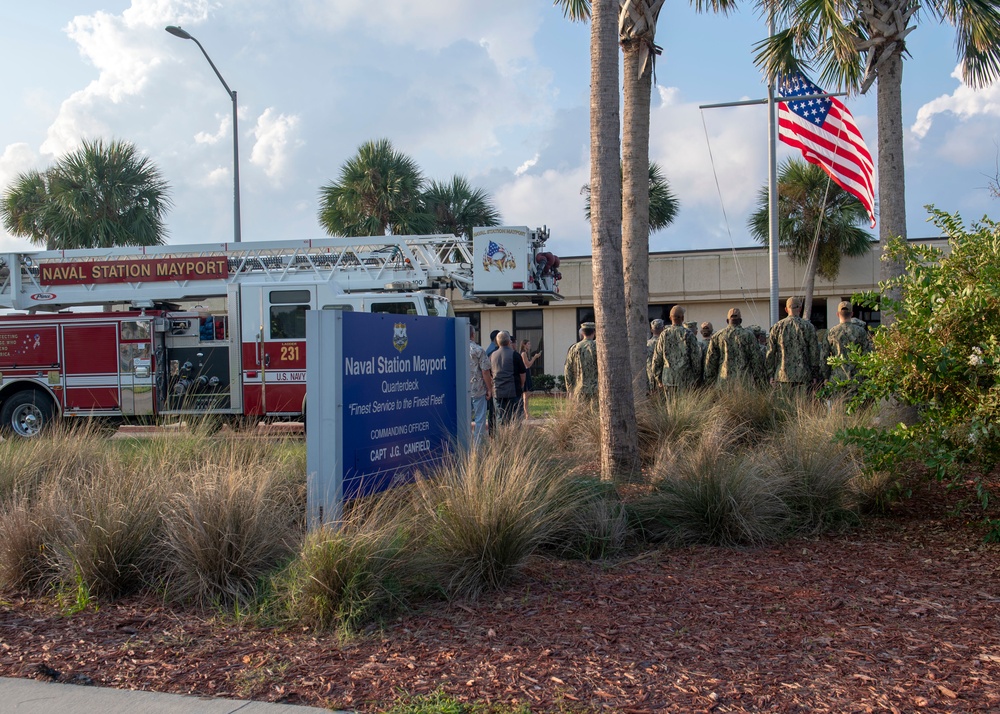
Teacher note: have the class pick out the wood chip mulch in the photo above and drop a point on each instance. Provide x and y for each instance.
(900, 615)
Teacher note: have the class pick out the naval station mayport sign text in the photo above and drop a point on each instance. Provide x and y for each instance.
(399, 398)
(133, 271)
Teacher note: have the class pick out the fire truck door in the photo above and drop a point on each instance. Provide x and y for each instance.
(274, 365)
(135, 367)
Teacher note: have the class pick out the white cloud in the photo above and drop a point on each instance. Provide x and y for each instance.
(734, 154)
(523, 168)
(225, 124)
(550, 198)
(276, 136)
(965, 102)
(505, 29)
(16, 159)
(122, 49)
(217, 177)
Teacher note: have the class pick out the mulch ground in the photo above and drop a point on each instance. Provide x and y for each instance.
(900, 615)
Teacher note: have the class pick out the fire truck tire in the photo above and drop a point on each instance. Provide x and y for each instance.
(26, 414)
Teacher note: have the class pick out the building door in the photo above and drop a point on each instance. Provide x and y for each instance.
(528, 326)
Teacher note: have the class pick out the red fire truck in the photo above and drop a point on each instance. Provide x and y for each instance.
(199, 329)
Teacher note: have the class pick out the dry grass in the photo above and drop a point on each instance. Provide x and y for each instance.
(712, 492)
(226, 530)
(485, 512)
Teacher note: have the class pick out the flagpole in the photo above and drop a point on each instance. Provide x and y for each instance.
(772, 183)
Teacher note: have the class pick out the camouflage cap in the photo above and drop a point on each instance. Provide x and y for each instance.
(757, 330)
(693, 326)
(656, 324)
(734, 312)
(793, 303)
(588, 325)
(845, 307)
(707, 326)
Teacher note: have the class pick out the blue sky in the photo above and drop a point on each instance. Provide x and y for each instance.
(498, 92)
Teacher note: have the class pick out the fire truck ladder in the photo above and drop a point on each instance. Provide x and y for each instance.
(382, 263)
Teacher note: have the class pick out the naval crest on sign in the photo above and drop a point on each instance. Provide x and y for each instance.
(399, 340)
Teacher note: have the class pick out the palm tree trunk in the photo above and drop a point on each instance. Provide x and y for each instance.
(891, 188)
(619, 438)
(635, 208)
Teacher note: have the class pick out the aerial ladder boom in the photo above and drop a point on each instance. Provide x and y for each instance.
(52, 280)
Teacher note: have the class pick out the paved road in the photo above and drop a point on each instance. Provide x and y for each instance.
(30, 696)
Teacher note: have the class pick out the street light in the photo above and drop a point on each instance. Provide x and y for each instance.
(184, 35)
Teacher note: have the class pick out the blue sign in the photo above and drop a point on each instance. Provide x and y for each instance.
(400, 401)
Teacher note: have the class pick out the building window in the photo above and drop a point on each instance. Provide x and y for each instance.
(583, 314)
(659, 312)
(475, 319)
(818, 316)
(869, 316)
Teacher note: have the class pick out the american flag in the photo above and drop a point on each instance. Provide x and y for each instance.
(824, 130)
(492, 249)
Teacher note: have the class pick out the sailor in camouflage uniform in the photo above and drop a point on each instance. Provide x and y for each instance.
(792, 350)
(706, 336)
(655, 327)
(761, 334)
(676, 361)
(733, 355)
(581, 365)
(839, 339)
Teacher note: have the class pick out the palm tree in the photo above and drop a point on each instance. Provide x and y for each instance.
(100, 195)
(378, 193)
(663, 204)
(619, 437)
(818, 222)
(864, 42)
(458, 208)
(637, 30)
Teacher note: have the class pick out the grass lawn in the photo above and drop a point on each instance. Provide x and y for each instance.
(544, 405)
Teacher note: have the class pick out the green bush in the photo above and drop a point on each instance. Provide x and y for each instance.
(544, 382)
(940, 355)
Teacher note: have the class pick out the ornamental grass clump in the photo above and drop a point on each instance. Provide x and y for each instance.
(674, 419)
(484, 512)
(573, 428)
(225, 529)
(66, 450)
(817, 473)
(352, 573)
(751, 412)
(109, 541)
(594, 526)
(28, 528)
(712, 492)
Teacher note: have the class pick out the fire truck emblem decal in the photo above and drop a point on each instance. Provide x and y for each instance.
(497, 255)
(399, 340)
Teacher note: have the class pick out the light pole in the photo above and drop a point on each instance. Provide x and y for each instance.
(184, 35)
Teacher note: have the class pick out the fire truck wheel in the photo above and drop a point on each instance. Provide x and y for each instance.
(26, 414)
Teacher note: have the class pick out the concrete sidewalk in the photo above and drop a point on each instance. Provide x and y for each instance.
(30, 696)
